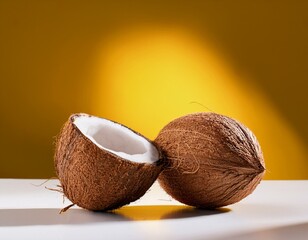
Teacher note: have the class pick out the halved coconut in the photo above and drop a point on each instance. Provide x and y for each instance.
(213, 160)
(102, 164)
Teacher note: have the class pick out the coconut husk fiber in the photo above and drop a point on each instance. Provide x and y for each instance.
(96, 179)
(213, 160)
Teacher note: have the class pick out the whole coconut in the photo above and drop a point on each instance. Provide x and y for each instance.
(213, 160)
(104, 165)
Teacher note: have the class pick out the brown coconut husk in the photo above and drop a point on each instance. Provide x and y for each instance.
(213, 160)
(96, 179)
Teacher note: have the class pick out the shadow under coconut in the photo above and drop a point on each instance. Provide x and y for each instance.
(42, 216)
(161, 212)
(51, 216)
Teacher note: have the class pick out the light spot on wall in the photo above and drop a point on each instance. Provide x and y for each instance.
(148, 76)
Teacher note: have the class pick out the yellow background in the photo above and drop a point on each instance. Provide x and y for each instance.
(144, 64)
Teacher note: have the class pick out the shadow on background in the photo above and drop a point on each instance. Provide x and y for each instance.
(30, 217)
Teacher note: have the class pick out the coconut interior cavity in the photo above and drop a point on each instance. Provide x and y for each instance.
(116, 139)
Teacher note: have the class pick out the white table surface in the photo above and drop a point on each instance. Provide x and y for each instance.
(276, 210)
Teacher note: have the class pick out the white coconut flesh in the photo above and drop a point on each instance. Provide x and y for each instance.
(117, 139)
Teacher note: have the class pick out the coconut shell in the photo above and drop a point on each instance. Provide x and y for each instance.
(213, 160)
(96, 179)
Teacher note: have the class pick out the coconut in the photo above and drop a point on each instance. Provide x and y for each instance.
(103, 165)
(213, 160)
